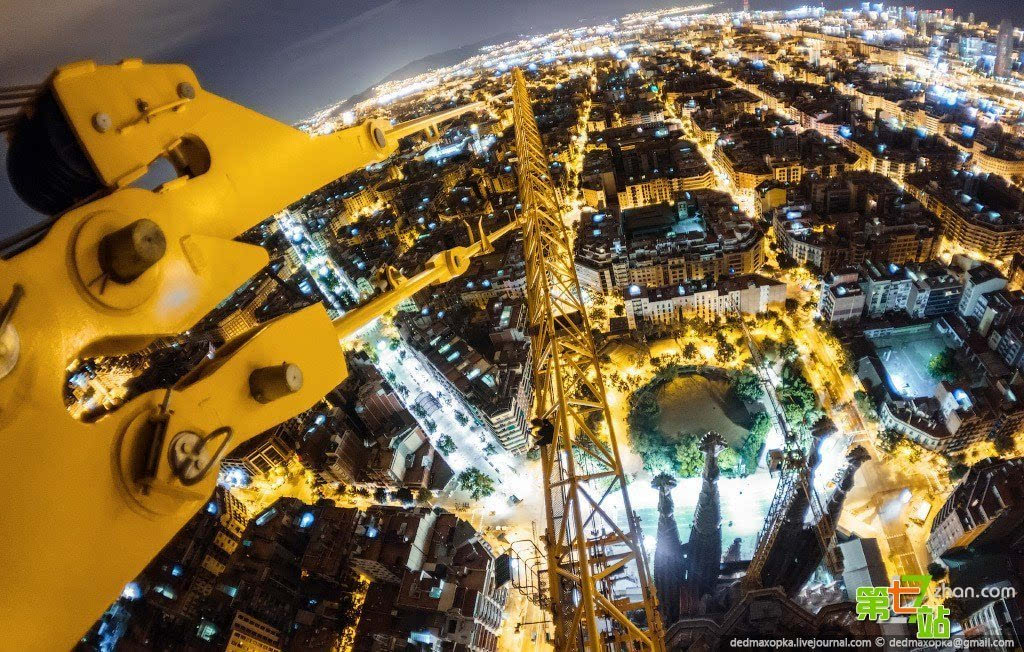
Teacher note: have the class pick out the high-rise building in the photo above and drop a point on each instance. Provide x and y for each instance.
(979, 281)
(842, 299)
(984, 509)
(705, 299)
(1004, 49)
(250, 634)
(435, 582)
(710, 238)
(494, 382)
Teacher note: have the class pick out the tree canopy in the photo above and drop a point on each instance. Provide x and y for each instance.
(942, 366)
(730, 462)
(424, 495)
(747, 386)
(689, 456)
(478, 484)
(866, 405)
(958, 471)
(404, 495)
(681, 454)
(750, 451)
(446, 445)
(725, 351)
(799, 402)
(788, 350)
(889, 440)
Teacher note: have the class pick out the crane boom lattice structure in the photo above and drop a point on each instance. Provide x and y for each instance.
(601, 596)
(794, 474)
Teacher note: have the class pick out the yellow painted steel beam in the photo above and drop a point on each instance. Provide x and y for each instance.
(426, 122)
(580, 462)
(87, 505)
(441, 268)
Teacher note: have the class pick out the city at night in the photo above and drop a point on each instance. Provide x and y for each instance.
(436, 325)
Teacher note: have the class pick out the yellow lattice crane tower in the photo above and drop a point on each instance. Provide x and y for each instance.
(589, 555)
(88, 504)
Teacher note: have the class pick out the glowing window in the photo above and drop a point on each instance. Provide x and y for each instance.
(165, 591)
(265, 517)
(206, 630)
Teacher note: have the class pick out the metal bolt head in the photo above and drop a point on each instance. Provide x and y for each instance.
(186, 91)
(10, 349)
(128, 252)
(184, 456)
(101, 122)
(268, 384)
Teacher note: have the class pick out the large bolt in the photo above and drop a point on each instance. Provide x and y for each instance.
(186, 91)
(128, 252)
(268, 384)
(101, 122)
(10, 344)
(10, 349)
(379, 137)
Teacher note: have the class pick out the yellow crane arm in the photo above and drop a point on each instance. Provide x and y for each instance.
(87, 505)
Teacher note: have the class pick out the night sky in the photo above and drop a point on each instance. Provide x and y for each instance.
(287, 59)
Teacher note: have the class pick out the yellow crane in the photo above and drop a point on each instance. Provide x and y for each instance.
(794, 474)
(87, 505)
(589, 553)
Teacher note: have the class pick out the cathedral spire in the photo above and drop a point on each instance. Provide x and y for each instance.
(844, 482)
(669, 558)
(705, 546)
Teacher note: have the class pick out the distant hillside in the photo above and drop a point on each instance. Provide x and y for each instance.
(432, 62)
(446, 58)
